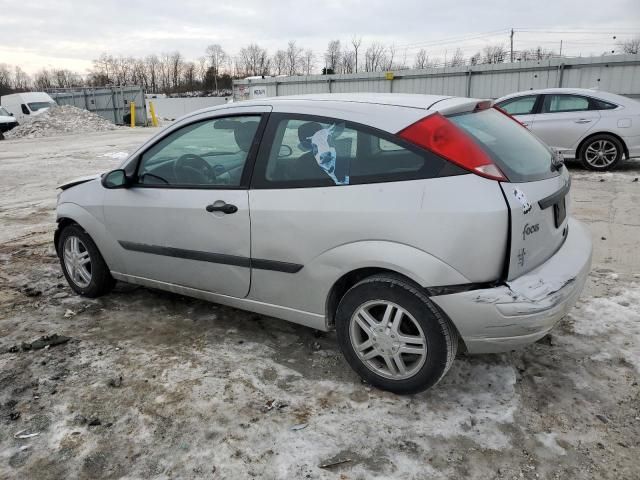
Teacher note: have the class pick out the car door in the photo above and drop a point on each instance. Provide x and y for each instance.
(564, 120)
(185, 218)
(523, 108)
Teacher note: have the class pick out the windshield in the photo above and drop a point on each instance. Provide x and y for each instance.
(521, 156)
(4, 113)
(33, 106)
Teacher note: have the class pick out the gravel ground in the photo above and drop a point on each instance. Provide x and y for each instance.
(154, 385)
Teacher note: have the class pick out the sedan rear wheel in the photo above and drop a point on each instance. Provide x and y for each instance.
(393, 336)
(601, 152)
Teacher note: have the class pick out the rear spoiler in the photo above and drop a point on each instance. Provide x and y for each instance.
(454, 105)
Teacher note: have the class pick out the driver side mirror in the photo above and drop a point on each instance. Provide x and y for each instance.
(115, 179)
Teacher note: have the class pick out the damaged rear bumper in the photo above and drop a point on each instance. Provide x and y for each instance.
(525, 309)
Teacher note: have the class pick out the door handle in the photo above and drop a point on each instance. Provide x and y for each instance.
(525, 124)
(583, 120)
(222, 207)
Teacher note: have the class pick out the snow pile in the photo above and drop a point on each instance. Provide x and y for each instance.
(616, 321)
(61, 120)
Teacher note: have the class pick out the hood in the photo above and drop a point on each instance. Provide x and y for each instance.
(7, 119)
(78, 181)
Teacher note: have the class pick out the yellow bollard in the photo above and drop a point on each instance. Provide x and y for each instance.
(154, 119)
(133, 114)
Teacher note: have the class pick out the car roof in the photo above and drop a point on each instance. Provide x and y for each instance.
(589, 92)
(440, 103)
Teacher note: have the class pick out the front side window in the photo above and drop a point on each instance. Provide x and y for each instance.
(519, 106)
(565, 103)
(35, 106)
(312, 151)
(25, 110)
(205, 154)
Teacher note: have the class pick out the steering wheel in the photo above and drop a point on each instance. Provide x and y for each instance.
(193, 169)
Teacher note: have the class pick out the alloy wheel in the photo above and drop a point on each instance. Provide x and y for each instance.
(601, 153)
(77, 261)
(388, 339)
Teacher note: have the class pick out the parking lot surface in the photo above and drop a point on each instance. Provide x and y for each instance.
(154, 385)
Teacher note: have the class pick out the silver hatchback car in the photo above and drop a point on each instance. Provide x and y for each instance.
(413, 225)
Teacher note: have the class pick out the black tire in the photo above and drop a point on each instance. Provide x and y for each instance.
(594, 142)
(1, 136)
(101, 280)
(441, 336)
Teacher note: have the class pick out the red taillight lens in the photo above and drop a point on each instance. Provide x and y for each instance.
(439, 135)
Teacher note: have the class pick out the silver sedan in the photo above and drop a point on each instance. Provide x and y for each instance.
(598, 128)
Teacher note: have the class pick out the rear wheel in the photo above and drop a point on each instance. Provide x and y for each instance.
(601, 152)
(393, 336)
(82, 265)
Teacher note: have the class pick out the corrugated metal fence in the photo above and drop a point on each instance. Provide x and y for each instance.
(616, 73)
(112, 103)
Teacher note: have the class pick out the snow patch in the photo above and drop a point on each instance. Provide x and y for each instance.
(116, 155)
(616, 319)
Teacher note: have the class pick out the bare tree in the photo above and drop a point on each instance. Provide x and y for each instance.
(389, 58)
(279, 62)
(458, 58)
(356, 42)
(294, 58)
(309, 59)
(493, 54)
(374, 57)
(217, 59)
(422, 59)
(630, 46)
(20, 79)
(43, 80)
(332, 55)
(253, 60)
(475, 59)
(201, 69)
(347, 62)
(176, 68)
(153, 65)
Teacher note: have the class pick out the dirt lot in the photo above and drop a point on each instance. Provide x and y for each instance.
(155, 385)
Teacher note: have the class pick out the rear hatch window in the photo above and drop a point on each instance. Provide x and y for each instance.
(536, 192)
(518, 153)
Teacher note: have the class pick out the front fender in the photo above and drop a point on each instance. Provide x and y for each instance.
(108, 246)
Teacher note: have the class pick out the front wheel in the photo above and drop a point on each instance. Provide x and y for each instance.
(82, 264)
(393, 336)
(601, 152)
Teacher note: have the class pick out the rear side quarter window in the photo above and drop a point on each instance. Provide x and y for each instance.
(307, 151)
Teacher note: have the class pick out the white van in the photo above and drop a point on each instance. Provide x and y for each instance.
(23, 105)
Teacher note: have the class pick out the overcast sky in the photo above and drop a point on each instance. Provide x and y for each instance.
(71, 33)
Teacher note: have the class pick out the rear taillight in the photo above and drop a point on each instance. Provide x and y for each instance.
(439, 135)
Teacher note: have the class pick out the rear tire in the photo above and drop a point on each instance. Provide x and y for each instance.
(601, 152)
(393, 336)
(82, 264)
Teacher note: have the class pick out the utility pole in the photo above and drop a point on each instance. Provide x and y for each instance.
(511, 46)
(560, 47)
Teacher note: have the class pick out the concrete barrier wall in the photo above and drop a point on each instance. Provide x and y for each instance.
(172, 108)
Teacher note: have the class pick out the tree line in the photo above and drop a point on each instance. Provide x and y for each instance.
(214, 71)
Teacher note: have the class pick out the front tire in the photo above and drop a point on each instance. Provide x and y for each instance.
(393, 336)
(601, 152)
(82, 264)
